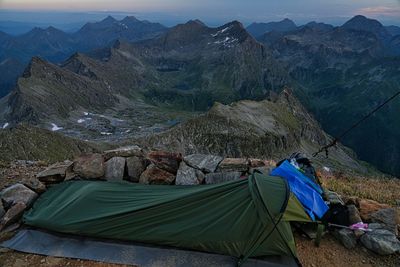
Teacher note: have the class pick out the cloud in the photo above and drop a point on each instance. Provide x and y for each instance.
(380, 11)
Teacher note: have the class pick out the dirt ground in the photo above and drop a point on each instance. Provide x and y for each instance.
(329, 253)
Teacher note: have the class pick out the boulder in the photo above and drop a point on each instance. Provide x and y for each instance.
(165, 160)
(136, 166)
(156, 175)
(346, 237)
(18, 193)
(220, 177)
(90, 166)
(115, 169)
(205, 163)
(354, 215)
(34, 184)
(12, 215)
(126, 151)
(367, 207)
(233, 165)
(55, 173)
(187, 175)
(381, 241)
(389, 218)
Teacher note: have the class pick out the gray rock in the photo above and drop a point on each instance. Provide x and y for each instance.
(333, 197)
(187, 175)
(346, 237)
(90, 166)
(126, 151)
(233, 165)
(389, 218)
(206, 163)
(12, 215)
(220, 177)
(18, 193)
(2, 210)
(54, 173)
(136, 166)
(374, 226)
(115, 169)
(381, 241)
(354, 215)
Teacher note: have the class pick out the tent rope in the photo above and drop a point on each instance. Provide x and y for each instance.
(336, 139)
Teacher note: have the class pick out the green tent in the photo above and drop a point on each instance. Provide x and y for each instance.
(243, 218)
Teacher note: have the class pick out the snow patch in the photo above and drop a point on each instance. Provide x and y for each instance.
(105, 133)
(86, 113)
(55, 127)
(220, 31)
(326, 169)
(5, 125)
(81, 120)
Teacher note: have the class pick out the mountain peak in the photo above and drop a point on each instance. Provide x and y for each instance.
(362, 23)
(130, 19)
(109, 19)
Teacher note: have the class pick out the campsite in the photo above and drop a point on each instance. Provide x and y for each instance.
(246, 209)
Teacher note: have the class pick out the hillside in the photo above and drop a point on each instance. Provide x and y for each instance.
(30, 143)
(340, 66)
(272, 128)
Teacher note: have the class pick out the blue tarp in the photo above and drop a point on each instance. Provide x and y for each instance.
(307, 192)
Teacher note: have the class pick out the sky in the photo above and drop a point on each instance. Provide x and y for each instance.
(212, 12)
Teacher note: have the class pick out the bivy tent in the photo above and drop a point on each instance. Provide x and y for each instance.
(244, 218)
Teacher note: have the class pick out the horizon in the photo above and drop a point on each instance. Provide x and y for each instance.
(60, 12)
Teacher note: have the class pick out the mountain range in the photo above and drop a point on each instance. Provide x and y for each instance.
(56, 46)
(130, 84)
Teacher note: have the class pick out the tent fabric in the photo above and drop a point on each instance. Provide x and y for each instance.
(303, 189)
(242, 218)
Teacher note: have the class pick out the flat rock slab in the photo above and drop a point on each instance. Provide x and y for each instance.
(389, 218)
(126, 151)
(233, 164)
(165, 160)
(54, 173)
(156, 175)
(115, 169)
(135, 166)
(12, 215)
(90, 166)
(381, 241)
(18, 193)
(189, 176)
(206, 163)
(220, 177)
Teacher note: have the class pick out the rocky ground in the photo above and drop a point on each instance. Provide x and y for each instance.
(375, 200)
